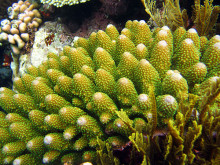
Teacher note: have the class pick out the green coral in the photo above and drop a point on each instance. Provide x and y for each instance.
(60, 3)
(108, 86)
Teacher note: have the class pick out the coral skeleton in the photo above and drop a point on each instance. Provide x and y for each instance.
(106, 87)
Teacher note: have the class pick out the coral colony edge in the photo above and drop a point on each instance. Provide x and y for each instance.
(153, 94)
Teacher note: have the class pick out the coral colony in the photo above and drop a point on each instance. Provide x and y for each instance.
(23, 16)
(60, 3)
(62, 106)
(112, 87)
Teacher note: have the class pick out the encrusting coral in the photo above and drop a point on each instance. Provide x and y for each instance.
(60, 3)
(106, 87)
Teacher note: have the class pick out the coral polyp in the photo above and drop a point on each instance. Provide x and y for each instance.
(59, 109)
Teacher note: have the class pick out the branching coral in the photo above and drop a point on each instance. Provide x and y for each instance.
(4, 6)
(199, 136)
(23, 18)
(114, 86)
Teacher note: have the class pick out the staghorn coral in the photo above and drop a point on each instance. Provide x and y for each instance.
(107, 86)
(60, 3)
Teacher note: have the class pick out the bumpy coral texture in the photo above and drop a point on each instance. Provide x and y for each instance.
(60, 108)
(60, 3)
(24, 18)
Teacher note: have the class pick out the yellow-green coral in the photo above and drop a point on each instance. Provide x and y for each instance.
(60, 3)
(62, 106)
